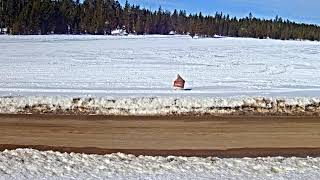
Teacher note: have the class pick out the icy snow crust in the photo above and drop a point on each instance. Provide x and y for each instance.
(33, 164)
(147, 65)
(160, 105)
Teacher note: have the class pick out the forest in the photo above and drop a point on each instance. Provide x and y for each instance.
(33, 17)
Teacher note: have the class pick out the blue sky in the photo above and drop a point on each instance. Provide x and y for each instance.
(307, 11)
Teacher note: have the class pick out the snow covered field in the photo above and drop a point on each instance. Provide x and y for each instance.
(147, 65)
(33, 164)
(134, 74)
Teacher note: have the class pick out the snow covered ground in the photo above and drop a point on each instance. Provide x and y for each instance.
(33, 164)
(147, 65)
(133, 75)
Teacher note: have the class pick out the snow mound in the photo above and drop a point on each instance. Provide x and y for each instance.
(33, 164)
(159, 105)
(119, 32)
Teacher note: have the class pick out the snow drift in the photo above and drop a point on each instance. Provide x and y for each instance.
(33, 164)
(159, 105)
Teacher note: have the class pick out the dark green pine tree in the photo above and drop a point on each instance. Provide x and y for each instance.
(102, 16)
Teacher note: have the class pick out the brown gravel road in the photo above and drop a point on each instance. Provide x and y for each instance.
(228, 136)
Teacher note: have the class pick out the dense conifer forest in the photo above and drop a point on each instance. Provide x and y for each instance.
(102, 16)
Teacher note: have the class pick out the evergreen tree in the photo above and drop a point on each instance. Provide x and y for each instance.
(101, 16)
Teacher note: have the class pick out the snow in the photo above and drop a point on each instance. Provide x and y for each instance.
(133, 75)
(119, 32)
(33, 164)
(217, 36)
(3, 30)
(172, 33)
(147, 65)
(159, 105)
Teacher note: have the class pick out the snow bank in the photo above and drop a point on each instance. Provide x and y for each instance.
(33, 164)
(160, 105)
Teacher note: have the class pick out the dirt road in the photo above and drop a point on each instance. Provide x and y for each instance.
(190, 136)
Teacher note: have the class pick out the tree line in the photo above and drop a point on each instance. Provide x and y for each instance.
(102, 16)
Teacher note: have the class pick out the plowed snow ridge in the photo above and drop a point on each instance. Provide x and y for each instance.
(33, 164)
(159, 105)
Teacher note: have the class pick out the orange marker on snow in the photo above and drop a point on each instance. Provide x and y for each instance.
(179, 83)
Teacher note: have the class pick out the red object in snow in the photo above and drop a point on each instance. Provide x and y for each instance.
(179, 83)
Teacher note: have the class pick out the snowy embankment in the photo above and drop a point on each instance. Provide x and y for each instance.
(160, 105)
(33, 164)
